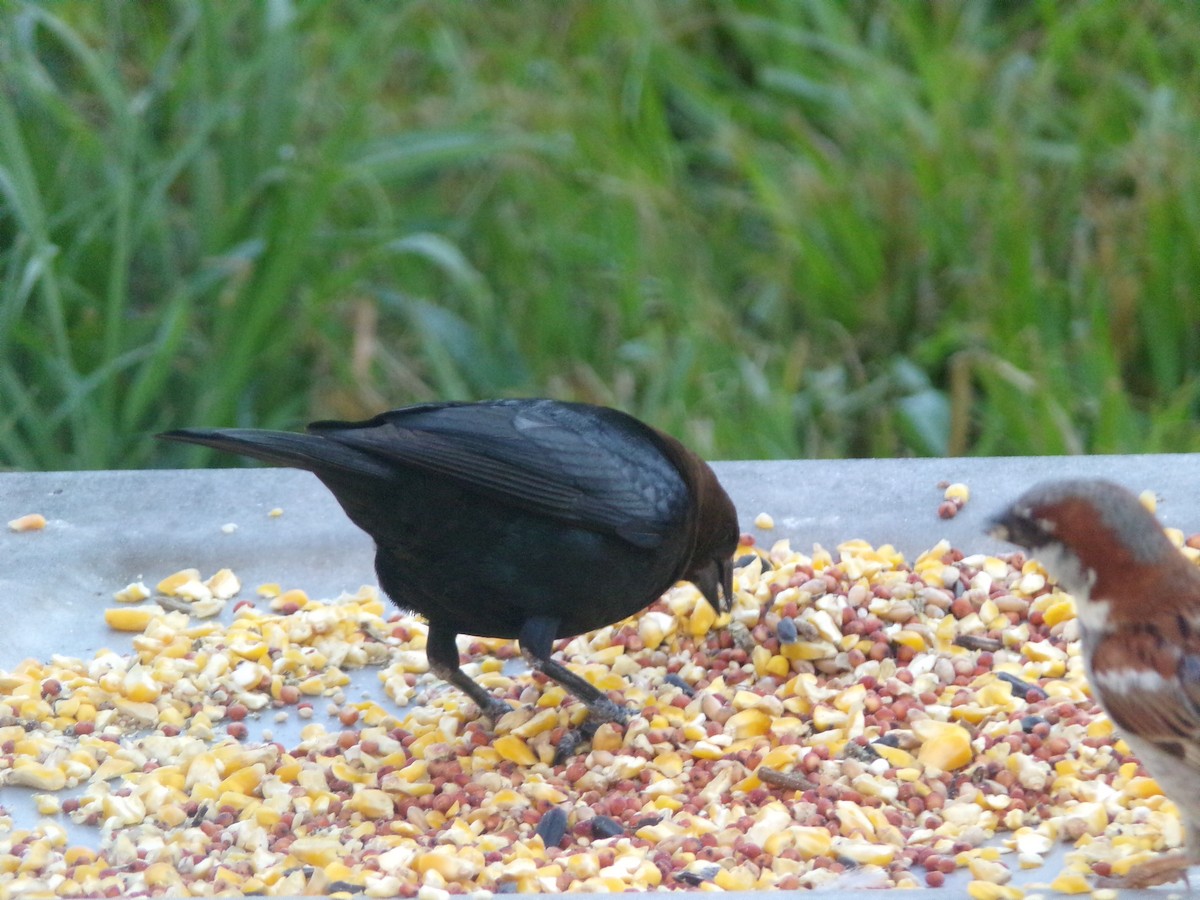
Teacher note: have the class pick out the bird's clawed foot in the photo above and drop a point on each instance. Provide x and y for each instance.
(1164, 869)
(572, 739)
(600, 710)
(494, 709)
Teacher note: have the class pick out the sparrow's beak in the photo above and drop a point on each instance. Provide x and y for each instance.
(998, 528)
(1018, 525)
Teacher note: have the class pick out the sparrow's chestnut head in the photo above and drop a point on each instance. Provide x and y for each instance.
(1095, 538)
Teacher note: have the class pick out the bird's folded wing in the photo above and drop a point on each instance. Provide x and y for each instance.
(1150, 686)
(584, 470)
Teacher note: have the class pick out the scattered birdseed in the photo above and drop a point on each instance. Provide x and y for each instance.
(764, 521)
(229, 528)
(553, 826)
(957, 493)
(132, 593)
(955, 497)
(931, 716)
(31, 522)
(276, 512)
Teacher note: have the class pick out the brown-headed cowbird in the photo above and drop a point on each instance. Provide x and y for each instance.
(528, 519)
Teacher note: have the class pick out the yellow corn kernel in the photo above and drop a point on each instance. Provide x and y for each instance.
(544, 720)
(249, 647)
(373, 803)
(335, 677)
(944, 745)
(702, 618)
(311, 686)
(1142, 787)
(987, 890)
(295, 597)
(582, 865)
(607, 737)
(316, 851)
(864, 852)
(707, 750)
(140, 686)
(957, 491)
(343, 771)
(172, 815)
(552, 697)
(808, 650)
(654, 627)
(783, 757)
(130, 618)
(811, 841)
(760, 656)
(161, 874)
(224, 584)
(339, 871)
(1060, 612)
(894, 755)
(748, 723)
(37, 710)
(173, 583)
(244, 780)
(736, 879)
(78, 856)
(288, 771)
(132, 593)
(513, 749)
(453, 864)
(669, 764)
(31, 522)
(1071, 882)
(826, 717)
(913, 639)
(28, 772)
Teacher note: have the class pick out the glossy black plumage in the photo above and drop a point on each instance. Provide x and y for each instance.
(527, 519)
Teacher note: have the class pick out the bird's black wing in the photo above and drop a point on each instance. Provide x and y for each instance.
(585, 466)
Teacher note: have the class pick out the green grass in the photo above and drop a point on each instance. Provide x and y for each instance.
(778, 228)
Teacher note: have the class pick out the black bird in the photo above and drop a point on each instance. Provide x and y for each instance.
(528, 519)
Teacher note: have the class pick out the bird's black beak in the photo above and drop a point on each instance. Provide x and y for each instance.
(715, 582)
(1016, 525)
(997, 528)
(725, 570)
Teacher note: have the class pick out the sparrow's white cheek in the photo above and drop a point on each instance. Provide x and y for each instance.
(1128, 681)
(1065, 568)
(1092, 614)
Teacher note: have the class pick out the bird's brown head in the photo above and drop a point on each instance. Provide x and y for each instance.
(1094, 537)
(711, 564)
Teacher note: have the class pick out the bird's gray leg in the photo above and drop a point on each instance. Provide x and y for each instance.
(537, 640)
(442, 652)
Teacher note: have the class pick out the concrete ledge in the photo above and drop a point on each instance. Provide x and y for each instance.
(106, 529)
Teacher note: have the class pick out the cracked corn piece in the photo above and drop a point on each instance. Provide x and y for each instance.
(30, 522)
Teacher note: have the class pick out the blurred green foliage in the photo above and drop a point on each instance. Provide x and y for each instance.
(780, 228)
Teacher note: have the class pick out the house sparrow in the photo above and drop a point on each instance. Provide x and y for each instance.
(1138, 604)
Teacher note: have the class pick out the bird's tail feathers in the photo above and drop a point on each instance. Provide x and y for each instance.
(301, 451)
